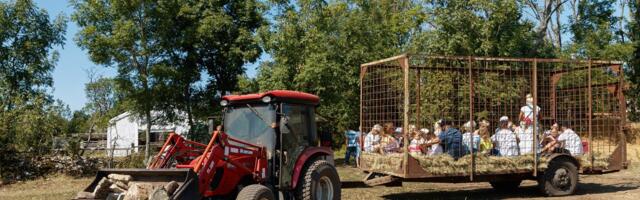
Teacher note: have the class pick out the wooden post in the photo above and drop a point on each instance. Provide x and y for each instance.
(404, 63)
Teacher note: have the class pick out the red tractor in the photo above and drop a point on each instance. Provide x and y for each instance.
(267, 148)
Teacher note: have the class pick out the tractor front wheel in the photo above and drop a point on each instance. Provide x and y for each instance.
(320, 182)
(256, 192)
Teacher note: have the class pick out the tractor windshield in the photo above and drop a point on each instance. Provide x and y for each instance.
(252, 124)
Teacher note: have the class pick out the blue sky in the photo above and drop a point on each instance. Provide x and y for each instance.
(70, 73)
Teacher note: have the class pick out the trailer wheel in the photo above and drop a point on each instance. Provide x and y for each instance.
(320, 182)
(255, 192)
(560, 179)
(505, 185)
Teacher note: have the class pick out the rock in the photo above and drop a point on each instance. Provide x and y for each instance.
(171, 187)
(122, 185)
(138, 191)
(115, 188)
(85, 195)
(159, 194)
(120, 177)
(102, 189)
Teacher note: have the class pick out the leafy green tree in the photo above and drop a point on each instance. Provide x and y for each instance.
(28, 116)
(594, 32)
(317, 47)
(124, 34)
(634, 64)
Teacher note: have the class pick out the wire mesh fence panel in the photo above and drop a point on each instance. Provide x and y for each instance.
(481, 115)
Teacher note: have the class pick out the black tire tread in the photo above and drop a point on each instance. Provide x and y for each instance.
(304, 190)
(254, 192)
(547, 176)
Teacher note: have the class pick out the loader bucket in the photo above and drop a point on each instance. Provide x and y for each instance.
(186, 178)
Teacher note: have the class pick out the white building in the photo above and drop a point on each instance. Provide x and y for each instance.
(126, 130)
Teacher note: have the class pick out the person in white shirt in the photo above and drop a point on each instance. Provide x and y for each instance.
(433, 149)
(470, 140)
(525, 138)
(372, 140)
(569, 140)
(526, 114)
(504, 141)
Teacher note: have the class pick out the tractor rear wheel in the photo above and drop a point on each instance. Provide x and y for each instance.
(255, 192)
(320, 182)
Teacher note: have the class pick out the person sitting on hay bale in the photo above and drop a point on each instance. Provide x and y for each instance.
(415, 146)
(372, 140)
(437, 129)
(485, 138)
(451, 139)
(549, 141)
(524, 137)
(388, 143)
(504, 140)
(470, 140)
(569, 140)
(433, 149)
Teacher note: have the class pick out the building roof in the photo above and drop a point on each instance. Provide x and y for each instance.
(278, 95)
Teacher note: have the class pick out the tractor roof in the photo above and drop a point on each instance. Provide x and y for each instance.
(277, 95)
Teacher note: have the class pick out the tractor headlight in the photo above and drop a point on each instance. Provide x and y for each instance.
(224, 103)
(266, 99)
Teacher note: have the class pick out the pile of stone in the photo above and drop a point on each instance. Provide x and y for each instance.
(123, 187)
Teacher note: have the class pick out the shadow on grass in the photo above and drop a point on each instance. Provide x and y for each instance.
(522, 192)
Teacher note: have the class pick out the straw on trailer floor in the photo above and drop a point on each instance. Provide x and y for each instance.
(445, 165)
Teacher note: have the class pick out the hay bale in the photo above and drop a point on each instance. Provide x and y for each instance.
(388, 162)
(600, 161)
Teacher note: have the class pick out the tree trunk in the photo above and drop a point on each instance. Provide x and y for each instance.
(147, 135)
(558, 25)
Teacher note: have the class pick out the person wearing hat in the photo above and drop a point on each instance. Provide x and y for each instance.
(505, 141)
(450, 139)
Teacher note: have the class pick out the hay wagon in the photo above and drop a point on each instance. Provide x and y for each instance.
(417, 90)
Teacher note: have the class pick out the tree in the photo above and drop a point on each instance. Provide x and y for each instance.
(594, 30)
(124, 34)
(317, 47)
(634, 64)
(27, 114)
(161, 49)
(543, 13)
(480, 28)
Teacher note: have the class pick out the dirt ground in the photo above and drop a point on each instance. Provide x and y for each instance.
(620, 185)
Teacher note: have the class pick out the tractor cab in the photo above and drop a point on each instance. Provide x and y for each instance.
(284, 123)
